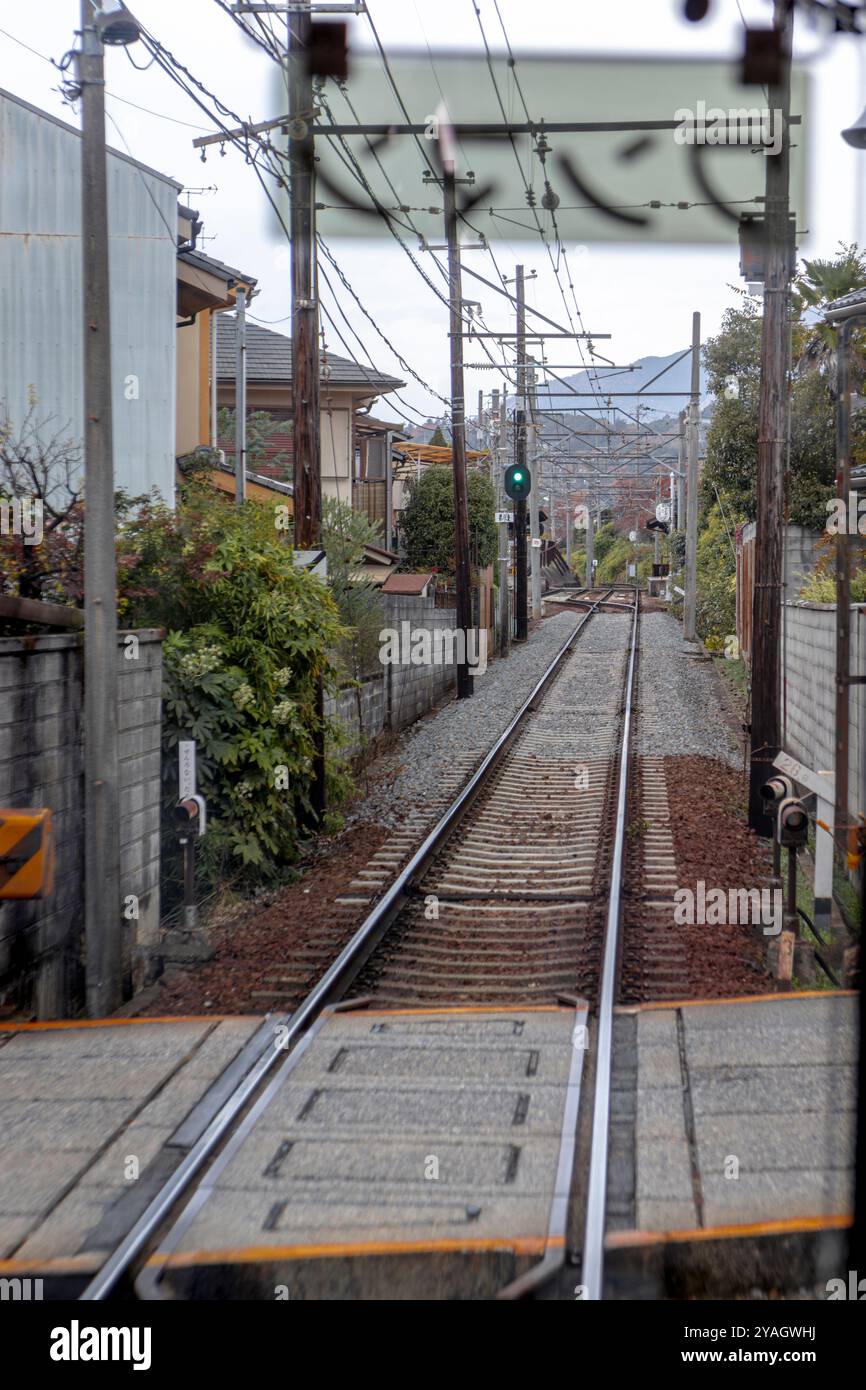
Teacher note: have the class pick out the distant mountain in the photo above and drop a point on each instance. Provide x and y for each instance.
(608, 384)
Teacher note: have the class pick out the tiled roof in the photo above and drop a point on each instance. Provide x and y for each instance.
(857, 298)
(406, 583)
(269, 358)
(218, 268)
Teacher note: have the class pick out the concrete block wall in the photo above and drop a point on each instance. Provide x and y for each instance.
(413, 690)
(41, 764)
(809, 649)
(402, 693)
(344, 708)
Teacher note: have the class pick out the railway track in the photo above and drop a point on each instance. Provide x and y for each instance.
(513, 898)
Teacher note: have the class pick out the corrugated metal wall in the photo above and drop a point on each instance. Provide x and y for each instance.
(40, 293)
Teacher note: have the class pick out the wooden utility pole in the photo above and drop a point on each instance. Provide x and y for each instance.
(772, 437)
(306, 442)
(500, 414)
(306, 425)
(692, 440)
(102, 899)
(458, 427)
(520, 578)
(520, 575)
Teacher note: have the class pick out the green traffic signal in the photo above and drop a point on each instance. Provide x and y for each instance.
(517, 481)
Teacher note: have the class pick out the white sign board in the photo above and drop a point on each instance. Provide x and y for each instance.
(504, 517)
(186, 768)
(536, 543)
(663, 512)
(821, 783)
(632, 535)
(611, 185)
(632, 571)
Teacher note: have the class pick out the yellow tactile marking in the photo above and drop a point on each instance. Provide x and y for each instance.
(253, 1254)
(623, 1240)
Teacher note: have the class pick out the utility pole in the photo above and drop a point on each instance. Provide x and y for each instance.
(534, 517)
(102, 898)
(772, 435)
(681, 472)
(590, 546)
(241, 397)
(520, 585)
(520, 595)
(306, 423)
(569, 525)
(657, 540)
(500, 414)
(692, 438)
(458, 426)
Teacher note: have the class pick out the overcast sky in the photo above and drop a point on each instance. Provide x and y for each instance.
(643, 295)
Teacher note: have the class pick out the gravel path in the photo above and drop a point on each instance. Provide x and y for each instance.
(678, 695)
(412, 773)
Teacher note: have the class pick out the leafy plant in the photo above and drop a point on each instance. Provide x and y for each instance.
(345, 533)
(249, 636)
(261, 429)
(427, 523)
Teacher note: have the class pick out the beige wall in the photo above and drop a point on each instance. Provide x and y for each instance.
(193, 387)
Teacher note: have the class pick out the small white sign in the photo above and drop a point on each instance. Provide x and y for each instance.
(663, 512)
(632, 571)
(186, 768)
(504, 516)
(821, 783)
(536, 542)
(632, 535)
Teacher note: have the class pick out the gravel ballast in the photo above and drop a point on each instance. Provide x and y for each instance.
(680, 711)
(412, 773)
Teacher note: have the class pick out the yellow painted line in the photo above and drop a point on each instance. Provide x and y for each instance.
(787, 998)
(455, 1009)
(50, 1025)
(60, 1264)
(255, 1254)
(624, 1240)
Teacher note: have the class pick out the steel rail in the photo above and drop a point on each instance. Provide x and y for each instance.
(335, 979)
(593, 1240)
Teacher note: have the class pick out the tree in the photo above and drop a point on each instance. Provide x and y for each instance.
(438, 439)
(427, 522)
(345, 533)
(40, 463)
(261, 428)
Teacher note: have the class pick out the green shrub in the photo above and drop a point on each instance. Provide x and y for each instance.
(427, 523)
(249, 634)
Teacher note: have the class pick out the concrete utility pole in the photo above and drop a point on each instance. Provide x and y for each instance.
(501, 416)
(241, 397)
(692, 437)
(772, 435)
(569, 525)
(590, 542)
(306, 422)
(458, 426)
(102, 897)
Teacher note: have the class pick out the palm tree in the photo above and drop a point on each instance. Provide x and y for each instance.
(817, 285)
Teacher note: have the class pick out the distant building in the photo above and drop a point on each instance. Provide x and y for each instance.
(346, 390)
(40, 294)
